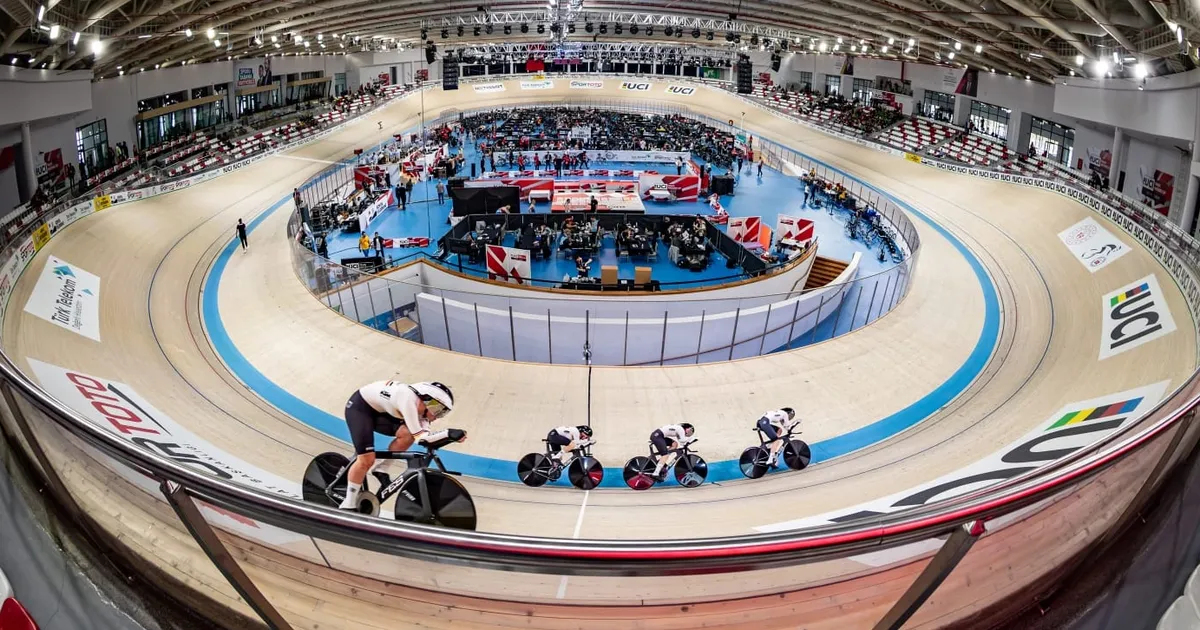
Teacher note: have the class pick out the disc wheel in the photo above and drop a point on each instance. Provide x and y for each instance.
(753, 462)
(797, 454)
(585, 473)
(322, 471)
(639, 473)
(451, 503)
(691, 471)
(535, 470)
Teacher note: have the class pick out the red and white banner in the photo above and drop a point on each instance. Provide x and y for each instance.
(406, 241)
(745, 230)
(799, 231)
(508, 264)
(683, 187)
(595, 185)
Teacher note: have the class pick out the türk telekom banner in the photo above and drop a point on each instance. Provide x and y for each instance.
(795, 229)
(508, 264)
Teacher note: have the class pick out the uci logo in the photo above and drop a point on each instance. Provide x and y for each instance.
(635, 86)
(682, 90)
(1134, 314)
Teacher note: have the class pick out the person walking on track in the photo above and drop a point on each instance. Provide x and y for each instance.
(241, 233)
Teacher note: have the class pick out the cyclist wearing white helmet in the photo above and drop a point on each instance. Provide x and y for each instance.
(666, 438)
(564, 440)
(774, 422)
(395, 409)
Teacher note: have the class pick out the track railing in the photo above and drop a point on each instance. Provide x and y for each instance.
(932, 563)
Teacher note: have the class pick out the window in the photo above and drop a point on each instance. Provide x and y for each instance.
(938, 106)
(91, 143)
(339, 84)
(805, 81)
(1052, 141)
(990, 120)
(833, 84)
(862, 90)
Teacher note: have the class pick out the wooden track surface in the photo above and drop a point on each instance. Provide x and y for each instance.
(153, 257)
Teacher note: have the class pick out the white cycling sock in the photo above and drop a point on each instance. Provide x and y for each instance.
(351, 500)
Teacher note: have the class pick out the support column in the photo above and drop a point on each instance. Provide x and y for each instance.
(28, 173)
(962, 110)
(1117, 160)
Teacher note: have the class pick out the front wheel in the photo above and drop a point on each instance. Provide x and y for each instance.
(535, 469)
(797, 454)
(318, 484)
(753, 462)
(585, 473)
(691, 471)
(639, 473)
(450, 503)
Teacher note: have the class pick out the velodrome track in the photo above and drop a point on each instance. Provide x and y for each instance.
(154, 258)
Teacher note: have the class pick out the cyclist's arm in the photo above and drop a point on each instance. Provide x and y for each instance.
(405, 405)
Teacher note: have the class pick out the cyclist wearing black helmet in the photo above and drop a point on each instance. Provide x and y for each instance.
(395, 409)
(774, 422)
(563, 440)
(666, 438)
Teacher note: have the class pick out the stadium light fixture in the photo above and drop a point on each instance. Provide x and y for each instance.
(978, 48)
(75, 40)
(216, 43)
(41, 12)
(1079, 60)
(951, 55)
(212, 34)
(823, 47)
(911, 42)
(54, 30)
(1100, 67)
(97, 46)
(885, 49)
(891, 40)
(1139, 70)
(957, 45)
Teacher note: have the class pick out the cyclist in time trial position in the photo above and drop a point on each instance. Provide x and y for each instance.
(395, 409)
(772, 424)
(564, 440)
(671, 436)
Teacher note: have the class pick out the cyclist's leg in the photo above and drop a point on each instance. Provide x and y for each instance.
(661, 447)
(360, 419)
(773, 441)
(557, 442)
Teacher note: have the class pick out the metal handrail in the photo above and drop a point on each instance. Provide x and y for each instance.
(615, 557)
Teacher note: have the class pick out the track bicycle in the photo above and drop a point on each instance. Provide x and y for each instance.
(690, 469)
(430, 496)
(755, 460)
(583, 470)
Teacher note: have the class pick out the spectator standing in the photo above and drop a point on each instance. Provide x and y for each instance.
(678, 165)
(378, 242)
(557, 165)
(364, 244)
(760, 167)
(241, 234)
(441, 192)
(296, 197)
(402, 193)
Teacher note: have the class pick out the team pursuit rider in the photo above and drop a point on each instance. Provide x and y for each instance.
(563, 440)
(677, 435)
(396, 409)
(772, 424)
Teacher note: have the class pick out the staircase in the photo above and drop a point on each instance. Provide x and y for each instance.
(824, 271)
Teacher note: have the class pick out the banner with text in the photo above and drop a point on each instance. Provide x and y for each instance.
(67, 296)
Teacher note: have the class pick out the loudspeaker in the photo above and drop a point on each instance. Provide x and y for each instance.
(775, 61)
(430, 52)
(745, 76)
(449, 74)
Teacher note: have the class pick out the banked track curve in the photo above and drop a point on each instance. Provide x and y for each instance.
(153, 257)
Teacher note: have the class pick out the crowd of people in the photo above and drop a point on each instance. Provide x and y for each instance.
(853, 113)
(552, 129)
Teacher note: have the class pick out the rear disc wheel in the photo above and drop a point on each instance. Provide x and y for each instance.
(535, 470)
(321, 472)
(753, 462)
(639, 473)
(585, 473)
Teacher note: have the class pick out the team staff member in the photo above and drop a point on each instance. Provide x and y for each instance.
(396, 409)
(772, 424)
(364, 244)
(666, 438)
(564, 440)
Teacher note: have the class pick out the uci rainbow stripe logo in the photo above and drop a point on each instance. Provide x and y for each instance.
(1135, 291)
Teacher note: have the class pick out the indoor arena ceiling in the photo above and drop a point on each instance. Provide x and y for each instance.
(1041, 38)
